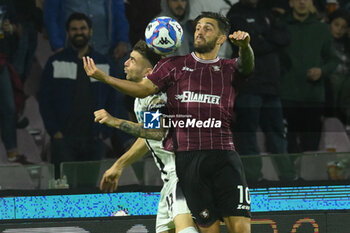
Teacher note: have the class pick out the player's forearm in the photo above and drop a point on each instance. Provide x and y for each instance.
(137, 130)
(134, 89)
(246, 60)
(136, 151)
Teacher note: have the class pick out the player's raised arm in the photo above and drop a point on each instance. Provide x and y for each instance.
(246, 54)
(136, 89)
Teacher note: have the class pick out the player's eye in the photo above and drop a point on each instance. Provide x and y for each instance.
(207, 28)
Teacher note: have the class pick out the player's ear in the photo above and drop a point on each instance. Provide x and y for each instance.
(221, 39)
(148, 71)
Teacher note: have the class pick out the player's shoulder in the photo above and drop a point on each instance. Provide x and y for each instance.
(172, 61)
(157, 98)
(154, 102)
(229, 62)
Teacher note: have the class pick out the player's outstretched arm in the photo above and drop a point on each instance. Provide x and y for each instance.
(136, 89)
(246, 54)
(135, 129)
(110, 179)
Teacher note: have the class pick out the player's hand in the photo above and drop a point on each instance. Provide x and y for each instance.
(110, 179)
(92, 70)
(103, 117)
(314, 74)
(240, 38)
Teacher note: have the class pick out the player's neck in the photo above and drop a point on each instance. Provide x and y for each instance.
(207, 56)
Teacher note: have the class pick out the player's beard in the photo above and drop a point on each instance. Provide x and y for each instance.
(132, 76)
(81, 42)
(207, 47)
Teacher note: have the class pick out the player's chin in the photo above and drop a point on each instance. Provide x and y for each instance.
(198, 45)
(128, 77)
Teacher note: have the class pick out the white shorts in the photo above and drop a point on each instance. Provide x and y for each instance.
(172, 203)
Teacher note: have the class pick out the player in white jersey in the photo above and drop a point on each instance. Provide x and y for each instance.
(173, 214)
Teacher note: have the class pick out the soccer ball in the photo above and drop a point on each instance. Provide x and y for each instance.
(164, 35)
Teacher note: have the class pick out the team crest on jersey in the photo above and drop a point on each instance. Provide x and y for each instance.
(185, 68)
(204, 213)
(216, 68)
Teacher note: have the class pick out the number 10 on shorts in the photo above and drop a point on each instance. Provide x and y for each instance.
(244, 198)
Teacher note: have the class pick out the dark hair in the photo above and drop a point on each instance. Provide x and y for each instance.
(223, 23)
(340, 13)
(142, 48)
(78, 16)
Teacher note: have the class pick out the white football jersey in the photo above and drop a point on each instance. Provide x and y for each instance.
(165, 160)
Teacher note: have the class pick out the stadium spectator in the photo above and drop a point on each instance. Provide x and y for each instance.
(258, 102)
(68, 98)
(305, 63)
(30, 18)
(139, 15)
(338, 84)
(179, 10)
(110, 26)
(11, 90)
(110, 37)
(280, 6)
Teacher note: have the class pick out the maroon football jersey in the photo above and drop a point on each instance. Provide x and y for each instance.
(200, 101)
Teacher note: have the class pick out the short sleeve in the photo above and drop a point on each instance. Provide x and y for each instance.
(157, 103)
(233, 61)
(162, 74)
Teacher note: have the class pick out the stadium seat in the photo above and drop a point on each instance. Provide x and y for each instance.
(15, 176)
(334, 137)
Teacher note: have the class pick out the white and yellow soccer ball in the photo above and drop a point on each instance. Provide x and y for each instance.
(164, 35)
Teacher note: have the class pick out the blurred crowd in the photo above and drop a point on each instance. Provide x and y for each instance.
(302, 72)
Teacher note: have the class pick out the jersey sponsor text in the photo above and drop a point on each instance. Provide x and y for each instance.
(190, 96)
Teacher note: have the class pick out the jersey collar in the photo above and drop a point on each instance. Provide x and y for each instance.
(204, 61)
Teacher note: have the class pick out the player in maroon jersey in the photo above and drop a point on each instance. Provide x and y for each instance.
(200, 92)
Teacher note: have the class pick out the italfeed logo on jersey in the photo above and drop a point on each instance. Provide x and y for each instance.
(153, 120)
(190, 96)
